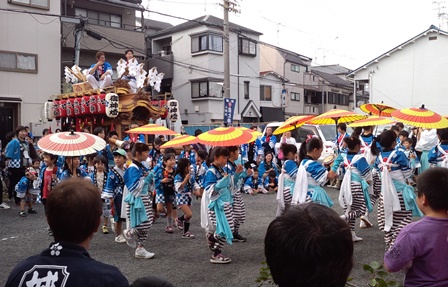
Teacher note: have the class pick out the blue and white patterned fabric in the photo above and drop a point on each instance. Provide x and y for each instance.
(114, 183)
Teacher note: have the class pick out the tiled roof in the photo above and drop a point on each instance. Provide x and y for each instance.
(333, 79)
(332, 69)
(204, 20)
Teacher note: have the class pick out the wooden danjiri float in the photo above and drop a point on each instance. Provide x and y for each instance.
(114, 107)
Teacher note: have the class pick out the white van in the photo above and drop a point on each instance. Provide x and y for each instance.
(327, 133)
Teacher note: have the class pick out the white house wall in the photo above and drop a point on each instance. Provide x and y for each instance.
(412, 76)
(21, 32)
(276, 84)
(211, 110)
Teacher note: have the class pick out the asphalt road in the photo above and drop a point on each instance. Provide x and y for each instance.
(183, 262)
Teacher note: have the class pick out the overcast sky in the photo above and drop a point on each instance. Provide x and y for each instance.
(345, 32)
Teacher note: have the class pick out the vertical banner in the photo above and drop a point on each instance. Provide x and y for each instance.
(284, 94)
(229, 108)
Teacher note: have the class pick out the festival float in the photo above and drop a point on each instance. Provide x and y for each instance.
(114, 107)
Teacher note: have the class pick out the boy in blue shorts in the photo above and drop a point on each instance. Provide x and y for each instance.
(26, 193)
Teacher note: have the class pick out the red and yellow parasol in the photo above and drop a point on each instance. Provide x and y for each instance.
(336, 116)
(293, 123)
(372, 121)
(378, 109)
(255, 133)
(226, 136)
(152, 129)
(71, 143)
(420, 117)
(180, 141)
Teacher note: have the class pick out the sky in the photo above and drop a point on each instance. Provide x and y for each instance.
(345, 32)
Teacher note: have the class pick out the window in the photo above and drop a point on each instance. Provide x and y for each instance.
(295, 68)
(246, 90)
(99, 18)
(204, 89)
(338, 99)
(208, 42)
(42, 4)
(265, 93)
(294, 96)
(18, 62)
(248, 47)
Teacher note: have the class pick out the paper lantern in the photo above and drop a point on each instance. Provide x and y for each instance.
(77, 106)
(48, 107)
(93, 109)
(70, 107)
(112, 105)
(56, 113)
(63, 108)
(101, 103)
(85, 101)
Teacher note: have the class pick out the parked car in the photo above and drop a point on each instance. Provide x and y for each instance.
(327, 133)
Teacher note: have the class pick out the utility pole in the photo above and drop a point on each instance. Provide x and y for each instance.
(228, 6)
(78, 33)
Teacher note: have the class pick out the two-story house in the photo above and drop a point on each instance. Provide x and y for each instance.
(191, 56)
(294, 68)
(29, 62)
(110, 26)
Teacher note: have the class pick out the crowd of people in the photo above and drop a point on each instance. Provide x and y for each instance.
(138, 185)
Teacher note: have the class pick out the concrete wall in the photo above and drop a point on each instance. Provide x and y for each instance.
(20, 32)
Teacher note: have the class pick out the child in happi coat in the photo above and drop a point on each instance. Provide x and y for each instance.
(49, 175)
(271, 182)
(199, 169)
(37, 183)
(370, 154)
(216, 206)
(89, 165)
(99, 179)
(185, 186)
(165, 192)
(287, 177)
(252, 184)
(397, 200)
(71, 169)
(438, 156)
(189, 153)
(137, 200)
(25, 192)
(311, 175)
(354, 195)
(412, 157)
(113, 191)
(236, 171)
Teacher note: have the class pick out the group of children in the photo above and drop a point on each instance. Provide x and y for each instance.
(382, 179)
(143, 185)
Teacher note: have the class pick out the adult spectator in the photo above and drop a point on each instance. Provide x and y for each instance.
(400, 126)
(100, 73)
(309, 245)
(19, 154)
(66, 262)
(268, 141)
